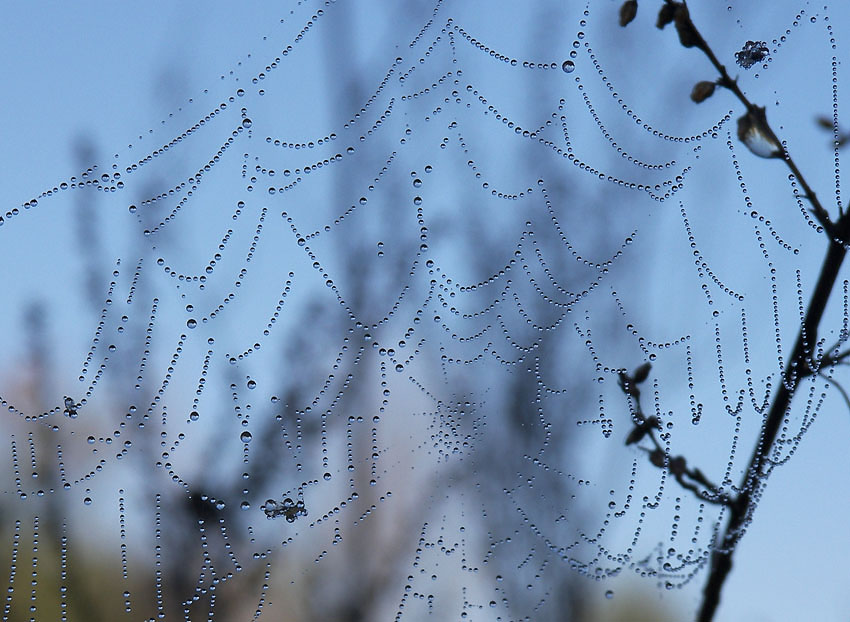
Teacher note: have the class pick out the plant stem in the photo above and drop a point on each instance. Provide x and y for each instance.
(742, 508)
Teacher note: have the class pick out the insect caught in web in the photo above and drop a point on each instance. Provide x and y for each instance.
(289, 509)
(753, 52)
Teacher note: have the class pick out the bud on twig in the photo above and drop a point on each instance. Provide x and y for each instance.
(640, 430)
(677, 465)
(754, 133)
(702, 91)
(827, 124)
(637, 433)
(642, 372)
(666, 15)
(824, 122)
(628, 12)
(688, 35)
(656, 457)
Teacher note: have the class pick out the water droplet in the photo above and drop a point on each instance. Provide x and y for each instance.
(568, 66)
(754, 133)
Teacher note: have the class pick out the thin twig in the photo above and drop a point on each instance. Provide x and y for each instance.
(837, 386)
(677, 465)
(727, 82)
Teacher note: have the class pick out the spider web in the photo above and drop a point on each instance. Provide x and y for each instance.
(338, 335)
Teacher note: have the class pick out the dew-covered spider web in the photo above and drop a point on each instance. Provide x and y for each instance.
(341, 311)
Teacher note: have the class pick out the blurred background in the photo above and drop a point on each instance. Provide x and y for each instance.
(316, 311)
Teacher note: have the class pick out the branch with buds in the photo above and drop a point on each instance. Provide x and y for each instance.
(753, 129)
(755, 132)
(645, 427)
